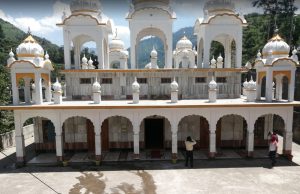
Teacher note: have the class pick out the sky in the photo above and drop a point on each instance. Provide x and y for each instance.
(43, 15)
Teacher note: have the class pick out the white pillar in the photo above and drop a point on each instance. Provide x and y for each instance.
(292, 87)
(206, 55)
(228, 53)
(98, 149)
(59, 147)
(48, 91)
(133, 50)
(15, 89)
(250, 143)
(100, 54)
(239, 49)
(278, 95)
(169, 52)
(212, 95)
(67, 53)
(212, 143)
(174, 145)
(38, 89)
(27, 90)
(136, 140)
(269, 86)
(20, 145)
(258, 89)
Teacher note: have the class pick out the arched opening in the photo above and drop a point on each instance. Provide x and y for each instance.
(285, 88)
(263, 87)
(264, 125)
(145, 41)
(231, 133)
(155, 136)
(216, 49)
(198, 128)
(115, 65)
(117, 134)
(79, 138)
(39, 139)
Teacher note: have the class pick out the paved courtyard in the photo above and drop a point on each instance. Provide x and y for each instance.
(208, 176)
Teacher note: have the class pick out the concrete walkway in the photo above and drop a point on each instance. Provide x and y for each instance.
(207, 176)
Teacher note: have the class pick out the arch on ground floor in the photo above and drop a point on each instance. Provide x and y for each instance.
(268, 123)
(155, 132)
(197, 127)
(43, 131)
(231, 131)
(116, 133)
(78, 135)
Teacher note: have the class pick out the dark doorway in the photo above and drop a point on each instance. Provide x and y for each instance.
(204, 133)
(90, 137)
(154, 133)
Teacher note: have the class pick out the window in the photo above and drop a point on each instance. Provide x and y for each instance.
(221, 80)
(200, 80)
(85, 80)
(106, 81)
(166, 80)
(142, 80)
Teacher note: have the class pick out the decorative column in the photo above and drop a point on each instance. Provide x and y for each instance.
(59, 139)
(96, 92)
(212, 92)
(212, 144)
(174, 91)
(273, 90)
(57, 93)
(135, 91)
(48, 91)
(213, 63)
(27, 90)
(20, 145)
(67, 53)
(251, 91)
(84, 62)
(206, 54)
(136, 141)
(38, 89)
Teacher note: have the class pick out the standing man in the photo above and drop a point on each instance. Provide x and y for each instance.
(189, 146)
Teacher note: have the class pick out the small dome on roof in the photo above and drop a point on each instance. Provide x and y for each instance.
(30, 48)
(184, 43)
(116, 44)
(153, 53)
(276, 47)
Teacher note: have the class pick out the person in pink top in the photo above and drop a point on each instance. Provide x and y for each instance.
(189, 146)
(273, 148)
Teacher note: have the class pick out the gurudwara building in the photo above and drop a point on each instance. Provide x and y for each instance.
(115, 106)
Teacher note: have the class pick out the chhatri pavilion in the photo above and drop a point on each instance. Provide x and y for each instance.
(116, 106)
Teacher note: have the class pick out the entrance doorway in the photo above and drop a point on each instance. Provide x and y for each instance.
(154, 133)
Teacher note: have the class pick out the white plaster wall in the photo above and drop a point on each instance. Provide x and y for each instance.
(232, 128)
(75, 130)
(120, 130)
(189, 126)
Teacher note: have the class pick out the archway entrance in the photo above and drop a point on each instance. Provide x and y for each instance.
(154, 133)
(79, 136)
(231, 132)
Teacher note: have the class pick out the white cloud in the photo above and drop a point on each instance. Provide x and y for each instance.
(43, 26)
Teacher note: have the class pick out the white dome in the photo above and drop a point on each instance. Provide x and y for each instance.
(96, 86)
(213, 61)
(90, 62)
(153, 53)
(30, 49)
(116, 44)
(84, 59)
(276, 47)
(251, 85)
(184, 43)
(220, 58)
(57, 86)
(212, 84)
(85, 6)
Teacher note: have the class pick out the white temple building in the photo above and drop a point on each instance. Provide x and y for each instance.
(116, 108)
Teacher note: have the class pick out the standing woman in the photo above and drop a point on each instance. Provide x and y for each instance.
(189, 146)
(273, 149)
